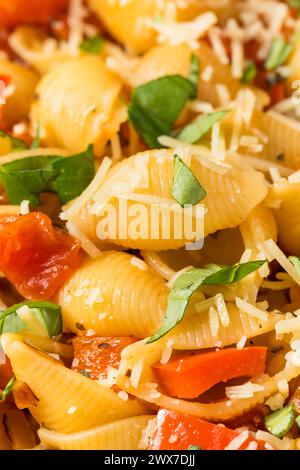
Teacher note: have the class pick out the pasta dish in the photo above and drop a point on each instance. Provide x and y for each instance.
(150, 224)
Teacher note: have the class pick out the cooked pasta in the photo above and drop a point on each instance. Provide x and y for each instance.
(149, 225)
(96, 112)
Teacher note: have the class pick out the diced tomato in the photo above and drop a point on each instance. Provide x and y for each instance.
(36, 257)
(277, 93)
(13, 12)
(190, 375)
(177, 431)
(5, 372)
(95, 354)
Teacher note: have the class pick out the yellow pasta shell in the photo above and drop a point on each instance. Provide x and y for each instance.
(24, 82)
(74, 113)
(127, 300)
(288, 215)
(284, 137)
(128, 22)
(68, 401)
(119, 435)
(230, 198)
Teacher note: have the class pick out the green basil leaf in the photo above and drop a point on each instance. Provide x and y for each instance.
(192, 447)
(156, 105)
(278, 54)
(75, 174)
(188, 283)
(8, 389)
(194, 74)
(27, 178)
(294, 4)
(16, 144)
(249, 73)
(186, 188)
(36, 144)
(92, 45)
(296, 262)
(47, 313)
(198, 128)
(85, 373)
(280, 422)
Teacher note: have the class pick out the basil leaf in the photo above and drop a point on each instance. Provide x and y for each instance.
(27, 178)
(296, 262)
(156, 105)
(16, 144)
(194, 74)
(85, 373)
(4, 394)
(192, 447)
(186, 188)
(75, 174)
(36, 142)
(92, 45)
(281, 421)
(187, 284)
(249, 73)
(47, 313)
(196, 129)
(278, 54)
(294, 4)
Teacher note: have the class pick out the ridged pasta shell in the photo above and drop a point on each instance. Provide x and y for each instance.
(129, 22)
(288, 215)
(126, 300)
(74, 113)
(68, 401)
(284, 137)
(230, 198)
(24, 82)
(120, 435)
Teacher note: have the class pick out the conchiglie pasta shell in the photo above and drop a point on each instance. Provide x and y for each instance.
(230, 198)
(259, 226)
(288, 215)
(129, 22)
(24, 82)
(284, 137)
(171, 60)
(58, 389)
(129, 301)
(75, 112)
(119, 435)
(36, 49)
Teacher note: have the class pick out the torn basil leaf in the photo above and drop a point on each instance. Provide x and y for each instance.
(278, 54)
(47, 313)
(8, 389)
(296, 262)
(92, 45)
(156, 105)
(188, 283)
(198, 128)
(186, 188)
(27, 178)
(192, 447)
(280, 422)
(16, 144)
(249, 73)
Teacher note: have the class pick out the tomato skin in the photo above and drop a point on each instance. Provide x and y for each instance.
(177, 431)
(13, 12)
(35, 257)
(95, 354)
(6, 373)
(189, 375)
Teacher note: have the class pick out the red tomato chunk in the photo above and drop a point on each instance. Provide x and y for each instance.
(35, 257)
